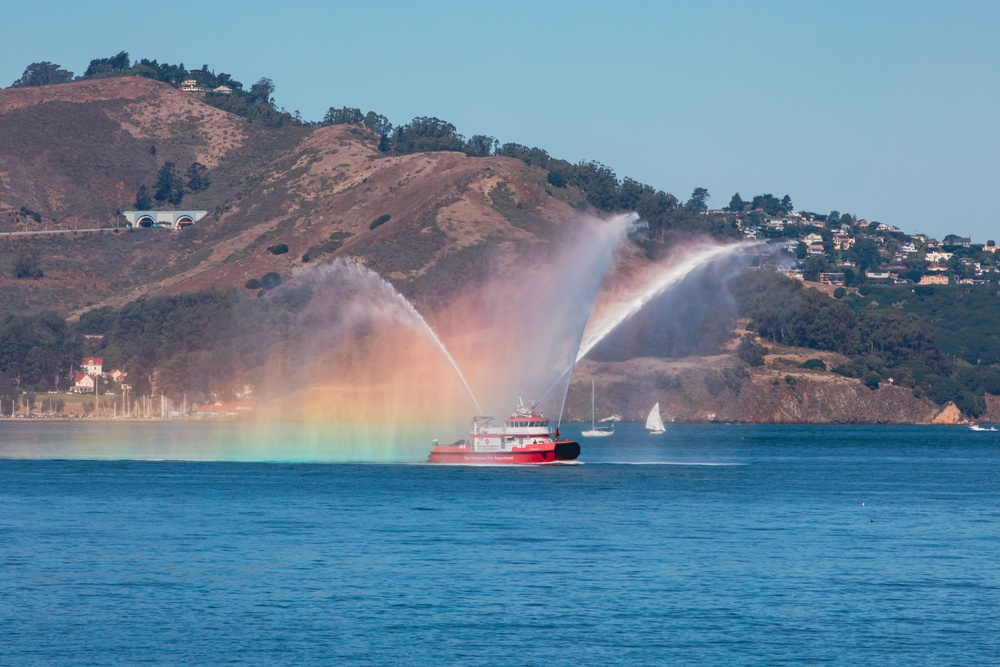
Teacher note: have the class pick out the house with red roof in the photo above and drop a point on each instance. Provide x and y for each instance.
(83, 383)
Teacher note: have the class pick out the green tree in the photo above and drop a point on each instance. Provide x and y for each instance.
(598, 183)
(868, 254)
(105, 67)
(343, 116)
(556, 179)
(736, 203)
(8, 395)
(768, 203)
(263, 91)
(480, 145)
(197, 177)
(812, 267)
(699, 200)
(168, 185)
(142, 200)
(42, 74)
(379, 124)
(426, 134)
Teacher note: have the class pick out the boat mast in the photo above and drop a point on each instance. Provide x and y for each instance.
(593, 414)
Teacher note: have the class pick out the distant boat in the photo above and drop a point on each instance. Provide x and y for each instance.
(596, 431)
(654, 423)
(977, 427)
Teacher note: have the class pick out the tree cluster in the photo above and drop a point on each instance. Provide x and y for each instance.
(171, 187)
(38, 351)
(42, 74)
(882, 340)
(256, 104)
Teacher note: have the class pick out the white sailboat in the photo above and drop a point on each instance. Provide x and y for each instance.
(595, 430)
(654, 422)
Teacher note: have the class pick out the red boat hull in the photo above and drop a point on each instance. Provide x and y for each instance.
(550, 452)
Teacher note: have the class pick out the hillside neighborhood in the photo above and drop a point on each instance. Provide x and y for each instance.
(851, 252)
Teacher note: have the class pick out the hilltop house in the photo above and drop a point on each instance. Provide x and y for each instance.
(938, 258)
(843, 241)
(192, 86)
(835, 279)
(878, 277)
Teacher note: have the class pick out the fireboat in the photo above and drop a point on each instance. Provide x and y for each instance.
(524, 439)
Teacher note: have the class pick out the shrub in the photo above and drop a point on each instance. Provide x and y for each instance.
(871, 380)
(839, 293)
(279, 249)
(381, 220)
(306, 258)
(556, 179)
(270, 280)
(813, 365)
(253, 283)
(751, 351)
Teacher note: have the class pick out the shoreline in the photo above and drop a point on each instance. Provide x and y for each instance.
(202, 420)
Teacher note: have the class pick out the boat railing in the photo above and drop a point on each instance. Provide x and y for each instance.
(480, 422)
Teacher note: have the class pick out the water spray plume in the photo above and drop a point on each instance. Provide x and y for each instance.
(660, 283)
(534, 314)
(664, 277)
(393, 306)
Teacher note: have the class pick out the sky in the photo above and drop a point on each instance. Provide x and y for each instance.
(886, 110)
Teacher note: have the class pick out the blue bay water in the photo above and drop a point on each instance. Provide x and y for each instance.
(712, 544)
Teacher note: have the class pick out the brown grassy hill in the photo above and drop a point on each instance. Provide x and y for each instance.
(75, 154)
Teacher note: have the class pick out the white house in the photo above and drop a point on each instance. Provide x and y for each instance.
(83, 383)
(92, 365)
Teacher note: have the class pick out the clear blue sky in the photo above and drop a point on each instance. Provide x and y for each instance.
(887, 110)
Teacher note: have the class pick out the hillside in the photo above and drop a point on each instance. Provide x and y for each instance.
(440, 226)
(76, 153)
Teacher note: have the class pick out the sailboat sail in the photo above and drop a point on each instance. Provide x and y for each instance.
(654, 423)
